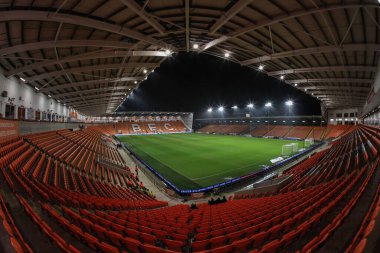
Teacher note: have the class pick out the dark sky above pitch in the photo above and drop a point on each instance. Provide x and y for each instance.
(193, 82)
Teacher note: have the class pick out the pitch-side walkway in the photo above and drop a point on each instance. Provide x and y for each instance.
(147, 183)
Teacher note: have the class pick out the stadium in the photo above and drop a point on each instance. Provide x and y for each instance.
(146, 126)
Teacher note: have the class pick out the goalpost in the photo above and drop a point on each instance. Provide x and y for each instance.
(309, 142)
(289, 149)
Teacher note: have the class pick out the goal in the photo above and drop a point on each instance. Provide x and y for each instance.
(309, 142)
(289, 149)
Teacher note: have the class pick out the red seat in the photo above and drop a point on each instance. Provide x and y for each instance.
(217, 241)
(258, 239)
(91, 241)
(151, 249)
(272, 247)
(223, 249)
(200, 245)
(106, 248)
(147, 238)
(174, 245)
(132, 244)
(115, 238)
(241, 245)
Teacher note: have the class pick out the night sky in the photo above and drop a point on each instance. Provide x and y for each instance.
(191, 82)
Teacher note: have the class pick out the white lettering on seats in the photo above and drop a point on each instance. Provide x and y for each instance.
(136, 128)
(152, 127)
(168, 126)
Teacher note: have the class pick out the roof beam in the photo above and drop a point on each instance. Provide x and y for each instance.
(131, 4)
(338, 88)
(85, 56)
(28, 15)
(90, 68)
(313, 50)
(236, 8)
(71, 93)
(64, 43)
(90, 82)
(213, 43)
(187, 24)
(287, 16)
(94, 96)
(108, 99)
(331, 80)
(323, 69)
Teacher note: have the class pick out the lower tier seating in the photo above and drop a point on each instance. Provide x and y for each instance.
(79, 212)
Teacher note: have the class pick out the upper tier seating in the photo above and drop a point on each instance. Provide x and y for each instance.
(300, 132)
(106, 210)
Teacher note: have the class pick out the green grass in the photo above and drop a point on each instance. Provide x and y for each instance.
(192, 161)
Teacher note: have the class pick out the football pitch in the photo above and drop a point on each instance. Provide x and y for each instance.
(192, 161)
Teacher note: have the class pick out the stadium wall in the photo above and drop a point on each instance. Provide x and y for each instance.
(373, 99)
(25, 96)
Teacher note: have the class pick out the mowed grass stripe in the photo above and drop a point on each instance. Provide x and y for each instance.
(204, 159)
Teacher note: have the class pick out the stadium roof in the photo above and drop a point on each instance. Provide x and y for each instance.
(90, 54)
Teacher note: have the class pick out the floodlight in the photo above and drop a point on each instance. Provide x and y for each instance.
(289, 103)
(168, 52)
(282, 77)
(209, 109)
(221, 108)
(250, 105)
(145, 71)
(135, 82)
(268, 104)
(195, 46)
(234, 107)
(226, 55)
(261, 67)
(296, 84)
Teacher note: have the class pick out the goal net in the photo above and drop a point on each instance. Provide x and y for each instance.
(289, 149)
(309, 142)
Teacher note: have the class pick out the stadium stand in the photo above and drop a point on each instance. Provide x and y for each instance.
(261, 130)
(278, 131)
(149, 127)
(102, 209)
(299, 132)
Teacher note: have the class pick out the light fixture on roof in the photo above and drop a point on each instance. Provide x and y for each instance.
(195, 46)
(22, 79)
(282, 77)
(221, 108)
(226, 54)
(209, 109)
(168, 52)
(49, 96)
(296, 84)
(268, 104)
(145, 71)
(36, 88)
(250, 105)
(135, 82)
(234, 107)
(261, 67)
(289, 103)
